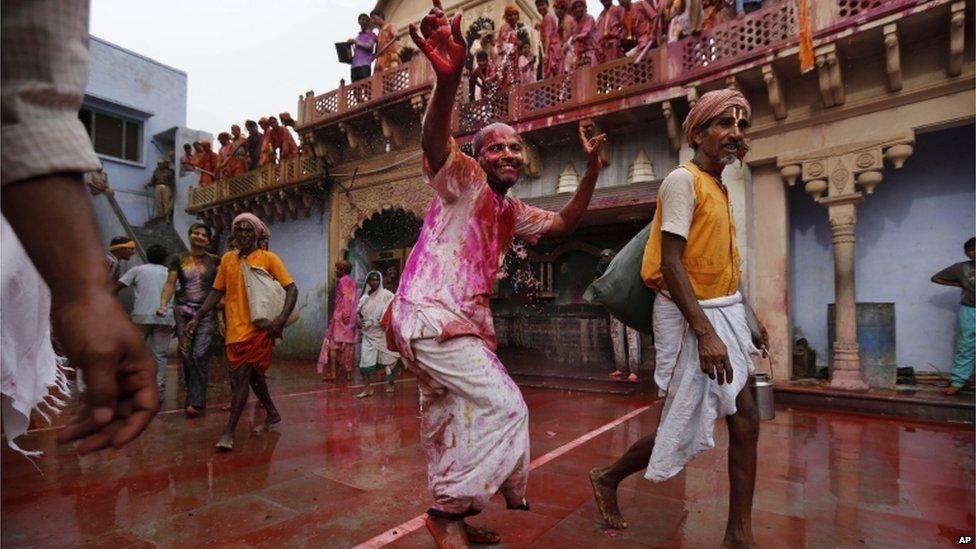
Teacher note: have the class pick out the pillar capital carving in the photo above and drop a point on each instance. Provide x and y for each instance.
(846, 168)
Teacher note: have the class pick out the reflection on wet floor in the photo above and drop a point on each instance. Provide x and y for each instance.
(339, 471)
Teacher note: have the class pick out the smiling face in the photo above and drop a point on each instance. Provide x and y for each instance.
(364, 21)
(512, 18)
(560, 11)
(200, 237)
(542, 6)
(722, 139)
(244, 236)
(501, 156)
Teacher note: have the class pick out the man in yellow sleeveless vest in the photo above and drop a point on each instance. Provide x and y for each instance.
(703, 343)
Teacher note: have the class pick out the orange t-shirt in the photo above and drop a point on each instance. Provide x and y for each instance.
(230, 280)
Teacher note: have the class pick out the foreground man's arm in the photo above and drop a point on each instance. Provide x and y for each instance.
(445, 48)
(52, 217)
(567, 218)
(44, 151)
(713, 356)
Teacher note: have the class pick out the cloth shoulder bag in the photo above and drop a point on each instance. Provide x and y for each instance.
(622, 291)
(265, 296)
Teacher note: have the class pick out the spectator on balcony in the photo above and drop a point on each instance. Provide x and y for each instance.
(586, 37)
(237, 161)
(641, 25)
(387, 52)
(267, 155)
(610, 25)
(747, 6)
(508, 47)
(186, 161)
(223, 155)
(282, 140)
(484, 76)
(206, 163)
(526, 64)
(254, 138)
(552, 42)
(684, 18)
(567, 28)
(717, 12)
(363, 50)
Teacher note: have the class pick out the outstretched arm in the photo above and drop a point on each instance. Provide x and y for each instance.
(567, 218)
(444, 46)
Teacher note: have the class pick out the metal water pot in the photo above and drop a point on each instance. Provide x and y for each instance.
(761, 386)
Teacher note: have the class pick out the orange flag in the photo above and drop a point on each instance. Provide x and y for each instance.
(806, 37)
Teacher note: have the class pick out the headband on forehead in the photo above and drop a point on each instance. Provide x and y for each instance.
(711, 105)
(130, 245)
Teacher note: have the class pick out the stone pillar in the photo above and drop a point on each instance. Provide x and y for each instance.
(837, 171)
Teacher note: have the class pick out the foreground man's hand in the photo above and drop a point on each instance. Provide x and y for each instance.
(713, 357)
(442, 43)
(121, 397)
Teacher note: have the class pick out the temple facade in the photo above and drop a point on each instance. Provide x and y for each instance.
(858, 186)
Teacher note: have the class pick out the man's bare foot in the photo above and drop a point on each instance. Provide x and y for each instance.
(481, 536)
(268, 422)
(365, 393)
(226, 443)
(633, 378)
(191, 412)
(951, 390)
(605, 494)
(390, 388)
(616, 373)
(447, 534)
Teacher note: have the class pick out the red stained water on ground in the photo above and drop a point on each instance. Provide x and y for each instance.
(340, 471)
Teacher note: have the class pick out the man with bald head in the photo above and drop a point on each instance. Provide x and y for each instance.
(474, 421)
(703, 342)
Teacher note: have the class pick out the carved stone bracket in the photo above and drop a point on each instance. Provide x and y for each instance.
(892, 56)
(672, 124)
(419, 103)
(352, 135)
(830, 76)
(392, 130)
(776, 98)
(957, 37)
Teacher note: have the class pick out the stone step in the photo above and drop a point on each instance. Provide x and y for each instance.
(158, 231)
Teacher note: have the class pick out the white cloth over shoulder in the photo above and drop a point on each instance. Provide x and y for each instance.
(371, 308)
(694, 401)
(28, 365)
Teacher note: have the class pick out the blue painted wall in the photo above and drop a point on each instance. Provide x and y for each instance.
(913, 225)
(303, 246)
(128, 84)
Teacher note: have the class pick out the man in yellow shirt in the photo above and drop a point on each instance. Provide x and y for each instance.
(248, 345)
(703, 342)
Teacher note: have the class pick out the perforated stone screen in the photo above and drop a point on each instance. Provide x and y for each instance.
(547, 93)
(623, 75)
(472, 116)
(761, 29)
(397, 79)
(327, 103)
(851, 8)
(359, 93)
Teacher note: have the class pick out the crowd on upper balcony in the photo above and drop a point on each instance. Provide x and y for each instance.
(503, 55)
(272, 143)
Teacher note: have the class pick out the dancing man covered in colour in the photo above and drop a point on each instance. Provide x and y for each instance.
(474, 422)
(703, 343)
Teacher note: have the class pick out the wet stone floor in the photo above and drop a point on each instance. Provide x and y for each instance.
(340, 471)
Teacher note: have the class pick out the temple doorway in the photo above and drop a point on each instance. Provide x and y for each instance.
(383, 243)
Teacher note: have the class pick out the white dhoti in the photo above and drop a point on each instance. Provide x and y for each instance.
(694, 401)
(29, 368)
(475, 431)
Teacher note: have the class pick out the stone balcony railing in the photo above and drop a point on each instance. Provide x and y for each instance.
(740, 42)
(263, 181)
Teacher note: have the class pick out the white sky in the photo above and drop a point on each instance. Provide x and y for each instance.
(244, 59)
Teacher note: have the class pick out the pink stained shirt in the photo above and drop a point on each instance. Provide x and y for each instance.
(342, 328)
(447, 280)
(552, 43)
(610, 28)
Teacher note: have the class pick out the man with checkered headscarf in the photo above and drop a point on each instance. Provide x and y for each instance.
(703, 343)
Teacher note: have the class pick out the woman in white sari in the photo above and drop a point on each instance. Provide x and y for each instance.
(374, 353)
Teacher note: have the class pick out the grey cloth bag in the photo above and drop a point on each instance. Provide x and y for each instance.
(265, 296)
(622, 291)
